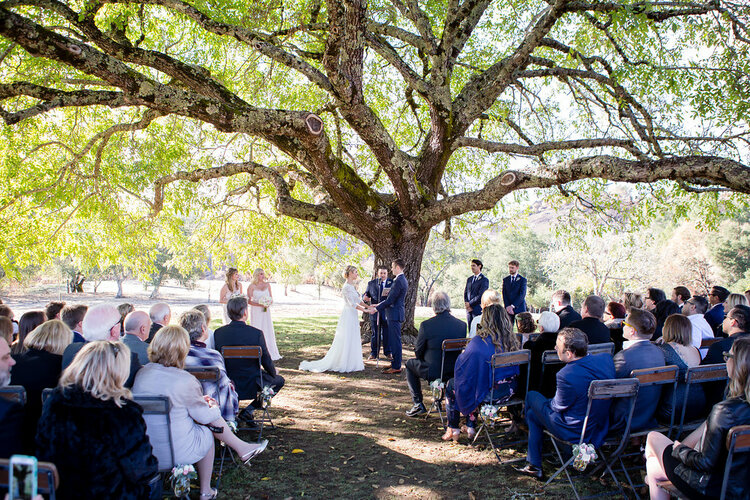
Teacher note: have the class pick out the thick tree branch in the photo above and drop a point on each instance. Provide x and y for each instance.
(541, 147)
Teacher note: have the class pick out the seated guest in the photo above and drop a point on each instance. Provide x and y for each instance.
(6, 329)
(204, 309)
(657, 304)
(243, 373)
(137, 326)
(561, 306)
(525, 324)
(591, 324)
(715, 315)
(694, 308)
(53, 310)
(7, 312)
(191, 411)
(680, 295)
(679, 351)
(160, 315)
(92, 430)
(39, 368)
(429, 350)
(73, 317)
(199, 355)
(124, 309)
(614, 314)
(11, 412)
(28, 322)
(470, 385)
(735, 299)
(102, 322)
(564, 414)
(488, 297)
(549, 324)
(632, 300)
(735, 325)
(638, 352)
(696, 466)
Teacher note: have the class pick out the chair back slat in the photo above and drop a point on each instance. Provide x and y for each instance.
(242, 351)
(741, 437)
(706, 373)
(455, 344)
(613, 388)
(656, 376)
(204, 373)
(48, 479)
(512, 358)
(160, 430)
(608, 347)
(709, 342)
(550, 357)
(14, 393)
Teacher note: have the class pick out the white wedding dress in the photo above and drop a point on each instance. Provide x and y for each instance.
(261, 320)
(345, 353)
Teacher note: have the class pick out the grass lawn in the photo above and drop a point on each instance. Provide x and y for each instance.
(346, 436)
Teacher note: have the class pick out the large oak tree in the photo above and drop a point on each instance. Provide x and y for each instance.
(382, 119)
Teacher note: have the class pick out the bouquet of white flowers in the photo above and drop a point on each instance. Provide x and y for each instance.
(489, 412)
(181, 476)
(265, 302)
(267, 395)
(437, 386)
(583, 455)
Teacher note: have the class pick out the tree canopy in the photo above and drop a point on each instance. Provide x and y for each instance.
(382, 119)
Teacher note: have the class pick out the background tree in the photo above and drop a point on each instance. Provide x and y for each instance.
(382, 119)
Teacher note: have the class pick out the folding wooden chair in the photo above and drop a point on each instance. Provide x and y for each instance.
(212, 374)
(47, 478)
(738, 441)
(251, 352)
(699, 375)
(551, 358)
(14, 393)
(706, 343)
(600, 390)
(449, 345)
(158, 406)
(503, 360)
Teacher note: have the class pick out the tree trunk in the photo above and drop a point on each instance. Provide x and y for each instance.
(119, 281)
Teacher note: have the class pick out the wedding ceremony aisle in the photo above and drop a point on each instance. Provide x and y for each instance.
(346, 436)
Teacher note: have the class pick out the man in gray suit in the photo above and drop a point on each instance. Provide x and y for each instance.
(638, 352)
(429, 350)
(137, 327)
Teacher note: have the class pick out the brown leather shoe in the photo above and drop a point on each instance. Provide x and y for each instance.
(391, 371)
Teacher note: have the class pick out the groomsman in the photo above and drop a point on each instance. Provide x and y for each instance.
(395, 313)
(375, 293)
(476, 285)
(514, 291)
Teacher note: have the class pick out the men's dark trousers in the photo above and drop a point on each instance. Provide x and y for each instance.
(276, 384)
(413, 380)
(394, 340)
(379, 332)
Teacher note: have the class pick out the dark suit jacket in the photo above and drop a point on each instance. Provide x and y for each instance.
(429, 346)
(137, 346)
(373, 291)
(11, 420)
(515, 294)
(473, 292)
(71, 351)
(155, 327)
(641, 355)
(544, 342)
(567, 316)
(714, 317)
(567, 410)
(715, 353)
(393, 305)
(243, 372)
(595, 330)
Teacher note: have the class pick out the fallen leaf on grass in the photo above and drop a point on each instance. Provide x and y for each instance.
(297, 450)
(281, 457)
(401, 467)
(391, 439)
(336, 469)
(401, 481)
(265, 478)
(472, 496)
(383, 394)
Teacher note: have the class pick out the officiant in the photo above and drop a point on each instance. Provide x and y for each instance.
(377, 291)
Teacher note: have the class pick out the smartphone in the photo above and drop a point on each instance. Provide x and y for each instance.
(23, 471)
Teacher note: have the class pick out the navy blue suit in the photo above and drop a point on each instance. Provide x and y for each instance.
(395, 313)
(715, 317)
(475, 287)
(564, 414)
(514, 293)
(377, 321)
(641, 355)
(11, 425)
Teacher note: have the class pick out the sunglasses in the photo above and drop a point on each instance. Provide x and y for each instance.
(727, 356)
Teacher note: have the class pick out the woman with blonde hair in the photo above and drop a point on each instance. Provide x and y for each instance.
(469, 386)
(488, 297)
(93, 431)
(260, 299)
(696, 466)
(345, 353)
(232, 288)
(39, 368)
(735, 299)
(196, 419)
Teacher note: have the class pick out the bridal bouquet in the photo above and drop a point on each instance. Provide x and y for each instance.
(437, 386)
(583, 455)
(489, 412)
(181, 476)
(267, 395)
(266, 303)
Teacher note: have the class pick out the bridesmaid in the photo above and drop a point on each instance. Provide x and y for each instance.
(260, 299)
(232, 288)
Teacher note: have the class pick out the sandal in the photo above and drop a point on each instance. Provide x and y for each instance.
(210, 496)
(252, 454)
(453, 434)
(470, 431)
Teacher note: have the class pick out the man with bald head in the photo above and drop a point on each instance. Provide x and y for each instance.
(137, 326)
(160, 315)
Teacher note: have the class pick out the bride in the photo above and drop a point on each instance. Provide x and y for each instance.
(345, 353)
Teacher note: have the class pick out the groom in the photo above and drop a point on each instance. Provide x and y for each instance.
(393, 306)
